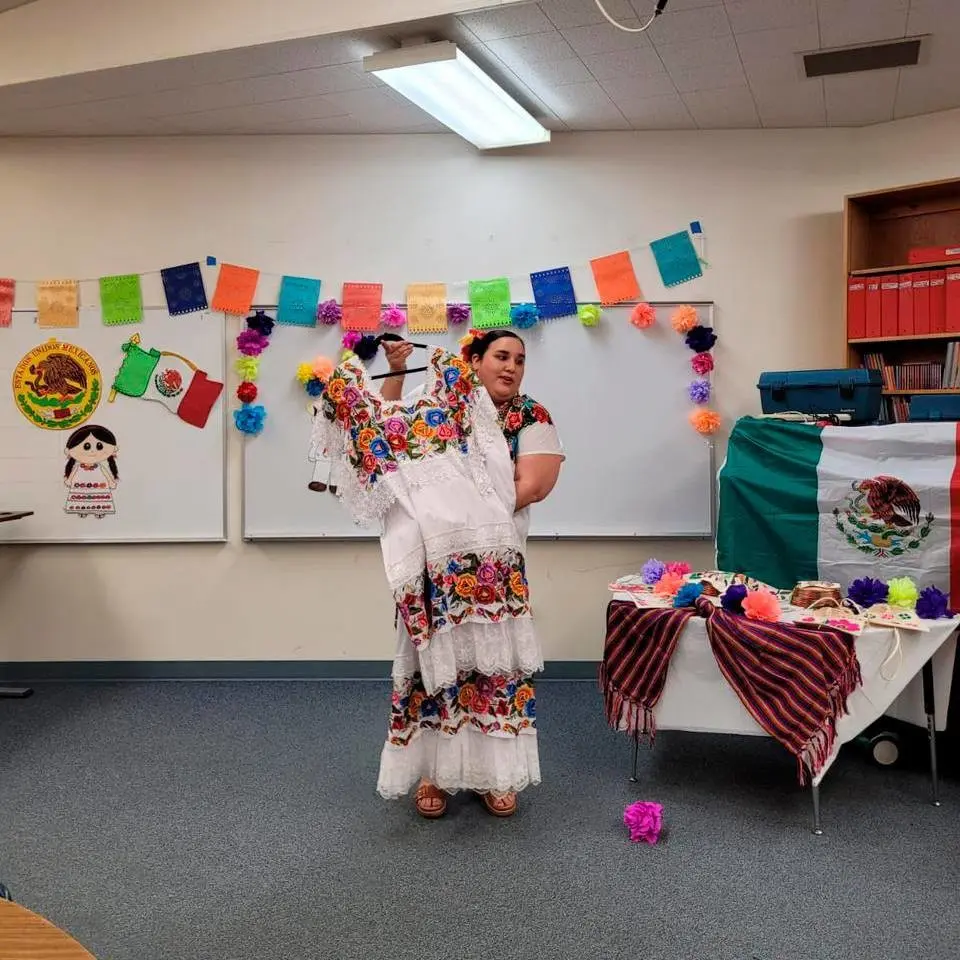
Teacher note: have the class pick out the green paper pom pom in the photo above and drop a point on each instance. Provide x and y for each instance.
(903, 593)
(589, 314)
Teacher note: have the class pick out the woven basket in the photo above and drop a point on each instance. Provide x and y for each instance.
(808, 592)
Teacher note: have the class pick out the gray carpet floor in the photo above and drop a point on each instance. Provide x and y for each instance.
(238, 821)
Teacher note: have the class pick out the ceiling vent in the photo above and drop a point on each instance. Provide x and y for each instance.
(876, 56)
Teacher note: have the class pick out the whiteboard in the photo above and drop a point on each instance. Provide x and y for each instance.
(171, 484)
(634, 467)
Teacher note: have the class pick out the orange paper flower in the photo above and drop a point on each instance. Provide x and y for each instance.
(684, 319)
(705, 421)
(668, 584)
(761, 605)
(322, 367)
(643, 316)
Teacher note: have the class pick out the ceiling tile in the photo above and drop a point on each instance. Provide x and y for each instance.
(641, 61)
(799, 104)
(861, 98)
(542, 74)
(711, 77)
(699, 53)
(732, 107)
(747, 16)
(850, 22)
(536, 47)
(779, 72)
(625, 90)
(660, 113)
(933, 16)
(604, 38)
(514, 20)
(583, 13)
(783, 42)
(579, 103)
(683, 25)
(927, 89)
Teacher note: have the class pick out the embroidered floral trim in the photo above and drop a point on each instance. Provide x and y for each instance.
(522, 411)
(495, 704)
(466, 586)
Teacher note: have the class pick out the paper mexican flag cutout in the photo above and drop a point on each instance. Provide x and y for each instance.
(167, 378)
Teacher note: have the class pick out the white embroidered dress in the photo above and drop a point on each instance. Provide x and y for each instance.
(438, 474)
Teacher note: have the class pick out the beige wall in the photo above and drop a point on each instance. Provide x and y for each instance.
(389, 207)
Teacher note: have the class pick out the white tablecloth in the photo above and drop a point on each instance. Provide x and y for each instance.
(697, 698)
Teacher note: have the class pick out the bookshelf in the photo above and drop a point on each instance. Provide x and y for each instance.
(880, 229)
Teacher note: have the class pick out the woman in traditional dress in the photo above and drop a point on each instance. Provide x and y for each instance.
(501, 706)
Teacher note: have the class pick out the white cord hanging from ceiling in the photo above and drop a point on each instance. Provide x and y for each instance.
(656, 13)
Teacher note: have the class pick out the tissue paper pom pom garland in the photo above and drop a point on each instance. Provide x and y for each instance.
(643, 316)
(699, 391)
(329, 313)
(249, 419)
(589, 314)
(644, 821)
(705, 421)
(350, 340)
(458, 313)
(393, 316)
(700, 339)
(903, 593)
(702, 363)
(247, 392)
(524, 315)
(684, 319)
(251, 343)
(761, 605)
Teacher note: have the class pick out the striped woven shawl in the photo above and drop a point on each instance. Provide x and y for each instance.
(794, 679)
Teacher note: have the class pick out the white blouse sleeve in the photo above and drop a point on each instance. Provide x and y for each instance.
(539, 438)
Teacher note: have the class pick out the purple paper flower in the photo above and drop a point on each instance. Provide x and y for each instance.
(644, 821)
(458, 312)
(733, 597)
(652, 571)
(867, 591)
(932, 604)
(700, 339)
(699, 391)
(252, 344)
(329, 312)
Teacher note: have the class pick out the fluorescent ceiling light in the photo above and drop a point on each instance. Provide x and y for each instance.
(440, 80)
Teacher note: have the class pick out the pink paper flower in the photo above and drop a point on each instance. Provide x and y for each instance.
(251, 343)
(644, 821)
(680, 568)
(702, 363)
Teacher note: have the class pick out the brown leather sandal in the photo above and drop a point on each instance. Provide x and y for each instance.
(500, 805)
(431, 802)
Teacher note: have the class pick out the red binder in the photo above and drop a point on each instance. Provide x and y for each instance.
(905, 305)
(921, 303)
(889, 296)
(951, 299)
(938, 302)
(872, 299)
(856, 308)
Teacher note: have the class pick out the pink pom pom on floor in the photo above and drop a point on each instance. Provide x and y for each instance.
(644, 821)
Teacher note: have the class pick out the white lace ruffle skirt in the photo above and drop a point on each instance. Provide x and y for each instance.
(508, 647)
(467, 760)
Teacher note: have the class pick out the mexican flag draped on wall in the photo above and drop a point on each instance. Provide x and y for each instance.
(168, 378)
(800, 502)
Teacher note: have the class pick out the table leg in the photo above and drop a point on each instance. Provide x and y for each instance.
(930, 709)
(636, 753)
(815, 793)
